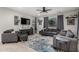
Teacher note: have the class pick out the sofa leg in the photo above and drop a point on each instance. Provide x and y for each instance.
(3, 43)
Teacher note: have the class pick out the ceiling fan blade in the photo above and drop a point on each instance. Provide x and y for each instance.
(39, 10)
(43, 12)
(48, 9)
(46, 12)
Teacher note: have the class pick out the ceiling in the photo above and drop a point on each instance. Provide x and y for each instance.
(32, 10)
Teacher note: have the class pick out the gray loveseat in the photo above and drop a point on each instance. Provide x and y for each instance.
(8, 36)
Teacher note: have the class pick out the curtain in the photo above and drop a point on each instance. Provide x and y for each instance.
(45, 22)
(60, 23)
(35, 25)
(78, 26)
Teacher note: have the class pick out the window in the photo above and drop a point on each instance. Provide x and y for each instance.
(52, 21)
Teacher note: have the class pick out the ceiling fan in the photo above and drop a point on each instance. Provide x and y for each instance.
(44, 10)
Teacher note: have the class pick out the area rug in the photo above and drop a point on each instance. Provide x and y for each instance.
(40, 45)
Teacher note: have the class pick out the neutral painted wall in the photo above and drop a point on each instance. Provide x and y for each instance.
(7, 20)
(71, 27)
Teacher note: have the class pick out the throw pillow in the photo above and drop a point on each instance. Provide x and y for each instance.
(9, 31)
(63, 33)
(70, 34)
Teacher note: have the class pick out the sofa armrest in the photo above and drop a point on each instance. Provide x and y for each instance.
(66, 37)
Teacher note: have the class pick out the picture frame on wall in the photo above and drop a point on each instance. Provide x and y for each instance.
(71, 21)
(40, 22)
(16, 20)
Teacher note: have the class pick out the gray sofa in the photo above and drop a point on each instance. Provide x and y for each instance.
(49, 32)
(8, 37)
(73, 42)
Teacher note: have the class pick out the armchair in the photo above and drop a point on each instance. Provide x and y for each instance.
(73, 42)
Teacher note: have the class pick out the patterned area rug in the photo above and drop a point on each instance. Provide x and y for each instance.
(40, 45)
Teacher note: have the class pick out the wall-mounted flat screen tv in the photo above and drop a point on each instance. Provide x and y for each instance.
(25, 21)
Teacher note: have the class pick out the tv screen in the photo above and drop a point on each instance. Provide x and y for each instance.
(25, 21)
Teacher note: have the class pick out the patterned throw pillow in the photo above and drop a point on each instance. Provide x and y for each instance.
(9, 31)
(70, 34)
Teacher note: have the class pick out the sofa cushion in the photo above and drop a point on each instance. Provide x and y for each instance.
(9, 31)
(45, 29)
(70, 34)
(63, 33)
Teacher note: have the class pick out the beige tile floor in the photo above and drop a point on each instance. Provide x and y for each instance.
(15, 47)
(22, 46)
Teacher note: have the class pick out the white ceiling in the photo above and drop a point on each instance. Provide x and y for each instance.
(32, 10)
